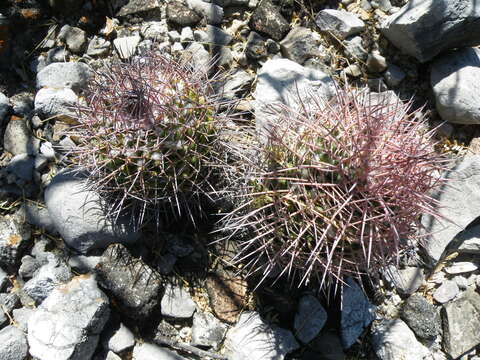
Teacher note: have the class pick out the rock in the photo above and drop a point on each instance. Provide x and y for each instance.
(135, 287)
(211, 12)
(353, 70)
(98, 46)
(354, 48)
(173, 36)
(4, 107)
(213, 35)
(119, 338)
(300, 44)
(186, 36)
(177, 303)
(21, 317)
(222, 56)
(83, 264)
(256, 46)
(142, 8)
(446, 292)
(22, 167)
(459, 70)
(146, 351)
(282, 81)
(268, 20)
(165, 330)
(393, 340)
(14, 239)
(407, 280)
(74, 75)
(457, 203)
(357, 313)
(328, 345)
(236, 85)
(13, 344)
(394, 75)
(376, 63)
(154, 30)
(3, 280)
(468, 241)
(8, 302)
(37, 216)
(460, 267)
(79, 216)
(181, 15)
(47, 278)
(126, 46)
(28, 267)
(309, 319)
(252, 338)
(425, 28)
(421, 317)
(461, 325)
(68, 323)
(339, 23)
(196, 54)
(207, 330)
(22, 104)
(73, 37)
(18, 138)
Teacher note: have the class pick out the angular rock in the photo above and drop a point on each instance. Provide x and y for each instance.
(186, 36)
(83, 264)
(134, 285)
(300, 44)
(146, 351)
(457, 203)
(13, 344)
(18, 138)
(177, 303)
(407, 280)
(211, 12)
(425, 28)
(394, 75)
(421, 317)
(268, 20)
(144, 8)
(339, 23)
(376, 63)
(73, 75)
(446, 292)
(3, 280)
(79, 216)
(459, 70)
(181, 15)
(207, 330)
(119, 338)
(154, 30)
(236, 85)
(282, 81)
(21, 317)
(37, 216)
(126, 46)
(460, 267)
(75, 38)
(213, 35)
(14, 240)
(8, 302)
(309, 319)
(4, 107)
(47, 278)
(68, 323)
(252, 338)
(28, 267)
(256, 46)
(98, 47)
(22, 167)
(461, 324)
(393, 340)
(57, 103)
(196, 54)
(355, 49)
(357, 313)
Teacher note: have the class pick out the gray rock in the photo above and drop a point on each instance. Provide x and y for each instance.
(134, 285)
(394, 75)
(207, 330)
(119, 339)
(282, 81)
(98, 46)
(457, 203)
(47, 278)
(222, 56)
(79, 216)
(83, 264)
(393, 340)
(3, 280)
(425, 28)
(446, 292)
(154, 30)
(407, 280)
(256, 46)
(198, 56)
(186, 35)
(354, 48)
(144, 8)
(22, 167)
(459, 70)
(267, 19)
(173, 36)
(8, 302)
(68, 323)
(37, 216)
(28, 267)
(460, 267)
(300, 44)
(309, 319)
(21, 317)
(74, 75)
(357, 313)
(179, 14)
(58, 54)
(213, 35)
(211, 12)
(376, 63)
(14, 239)
(22, 104)
(236, 85)
(4, 107)
(328, 344)
(75, 38)
(146, 351)
(13, 344)
(166, 330)
(177, 303)
(421, 317)
(18, 138)
(461, 328)
(339, 23)
(252, 338)
(126, 46)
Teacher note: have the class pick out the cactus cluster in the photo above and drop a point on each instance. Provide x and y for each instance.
(148, 135)
(336, 189)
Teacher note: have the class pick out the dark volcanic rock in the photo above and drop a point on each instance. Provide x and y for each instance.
(421, 317)
(267, 19)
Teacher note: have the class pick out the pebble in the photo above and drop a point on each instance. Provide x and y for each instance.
(376, 63)
(460, 268)
(177, 303)
(446, 292)
(339, 23)
(126, 46)
(74, 75)
(309, 319)
(74, 37)
(394, 75)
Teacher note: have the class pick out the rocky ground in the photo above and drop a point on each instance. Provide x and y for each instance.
(72, 287)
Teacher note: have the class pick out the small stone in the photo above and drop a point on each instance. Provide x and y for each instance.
(14, 239)
(28, 267)
(376, 63)
(83, 264)
(98, 46)
(460, 268)
(56, 103)
(21, 317)
(213, 35)
(211, 12)
(339, 23)
(309, 319)
(17, 139)
(237, 84)
(143, 8)
(177, 303)
(207, 330)
(73, 37)
(186, 36)
(446, 292)
(119, 339)
(126, 46)
(22, 104)
(421, 317)
(154, 30)
(407, 280)
(146, 351)
(13, 344)
(300, 44)
(267, 19)
(173, 36)
(353, 70)
(4, 107)
(462, 282)
(354, 48)
(73, 75)
(196, 54)
(3, 280)
(181, 15)
(255, 48)
(394, 75)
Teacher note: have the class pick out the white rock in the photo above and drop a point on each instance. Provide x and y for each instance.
(126, 46)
